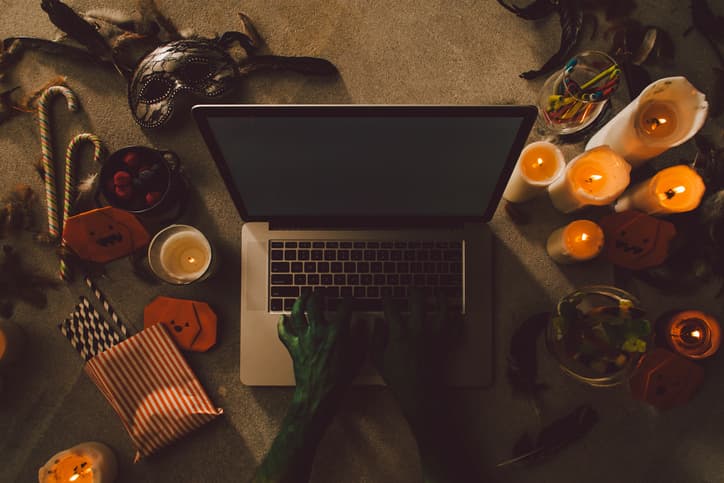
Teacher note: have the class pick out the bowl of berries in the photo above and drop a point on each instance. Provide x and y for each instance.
(599, 335)
(141, 180)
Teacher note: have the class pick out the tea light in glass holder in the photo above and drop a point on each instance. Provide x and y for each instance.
(576, 242)
(677, 189)
(539, 164)
(693, 334)
(180, 254)
(595, 177)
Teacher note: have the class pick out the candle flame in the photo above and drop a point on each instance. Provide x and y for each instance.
(656, 122)
(696, 334)
(584, 237)
(594, 177)
(670, 193)
(74, 477)
(679, 189)
(191, 260)
(540, 161)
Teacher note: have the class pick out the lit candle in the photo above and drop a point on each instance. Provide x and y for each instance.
(538, 165)
(672, 190)
(596, 177)
(90, 462)
(578, 241)
(666, 114)
(180, 254)
(12, 340)
(693, 334)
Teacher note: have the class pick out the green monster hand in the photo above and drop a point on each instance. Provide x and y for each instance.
(326, 355)
(410, 354)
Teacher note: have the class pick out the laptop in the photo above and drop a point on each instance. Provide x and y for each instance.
(364, 201)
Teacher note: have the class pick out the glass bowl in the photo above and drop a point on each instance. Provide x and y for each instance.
(599, 365)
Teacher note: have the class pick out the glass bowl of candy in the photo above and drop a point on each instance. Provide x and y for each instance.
(598, 334)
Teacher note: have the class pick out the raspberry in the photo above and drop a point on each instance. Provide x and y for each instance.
(131, 159)
(152, 197)
(122, 178)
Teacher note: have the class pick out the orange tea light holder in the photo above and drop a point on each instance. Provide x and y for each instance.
(539, 164)
(677, 189)
(693, 334)
(596, 177)
(576, 242)
(90, 462)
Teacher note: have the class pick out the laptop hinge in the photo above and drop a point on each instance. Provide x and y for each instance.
(367, 226)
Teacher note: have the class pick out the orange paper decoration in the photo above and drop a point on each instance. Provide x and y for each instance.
(693, 334)
(666, 380)
(191, 323)
(635, 240)
(104, 234)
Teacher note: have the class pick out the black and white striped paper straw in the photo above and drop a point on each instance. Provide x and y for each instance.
(106, 306)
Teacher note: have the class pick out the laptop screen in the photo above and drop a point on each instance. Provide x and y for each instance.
(359, 162)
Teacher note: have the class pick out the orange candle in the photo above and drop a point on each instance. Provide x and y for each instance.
(12, 340)
(596, 177)
(538, 165)
(672, 190)
(578, 241)
(693, 334)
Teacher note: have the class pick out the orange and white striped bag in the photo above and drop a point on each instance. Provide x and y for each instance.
(152, 388)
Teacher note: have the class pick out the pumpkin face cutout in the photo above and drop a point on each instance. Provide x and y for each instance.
(192, 324)
(90, 462)
(104, 234)
(635, 240)
(666, 380)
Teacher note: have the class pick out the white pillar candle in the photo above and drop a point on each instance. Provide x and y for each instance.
(672, 190)
(90, 462)
(595, 177)
(12, 340)
(576, 242)
(180, 254)
(538, 165)
(666, 114)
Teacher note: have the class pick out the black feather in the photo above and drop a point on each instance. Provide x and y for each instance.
(76, 28)
(571, 18)
(536, 10)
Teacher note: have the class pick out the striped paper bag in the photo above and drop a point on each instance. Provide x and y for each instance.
(152, 388)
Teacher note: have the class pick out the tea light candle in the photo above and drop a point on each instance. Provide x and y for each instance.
(12, 340)
(672, 190)
(90, 462)
(666, 114)
(596, 177)
(693, 334)
(539, 164)
(180, 254)
(578, 241)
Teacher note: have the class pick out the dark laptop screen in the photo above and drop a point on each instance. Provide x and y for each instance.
(368, 166)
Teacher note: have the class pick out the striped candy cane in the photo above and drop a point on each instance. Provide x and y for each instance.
(68, 183)
(47, 151)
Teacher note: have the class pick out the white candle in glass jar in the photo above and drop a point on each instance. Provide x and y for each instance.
(677, 189)
(180, 254)
(596, 177)
(538, 165)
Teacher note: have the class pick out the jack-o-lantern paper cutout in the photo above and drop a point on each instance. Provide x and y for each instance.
(191, 323)
(666, 380)
(104, 234)
(635, 240)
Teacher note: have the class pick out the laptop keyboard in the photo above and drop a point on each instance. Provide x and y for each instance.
(367, 271)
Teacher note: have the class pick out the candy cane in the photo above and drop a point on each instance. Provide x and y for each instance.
(68, 182)
(47, 151)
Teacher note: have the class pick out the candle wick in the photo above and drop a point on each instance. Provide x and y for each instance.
(655, 122)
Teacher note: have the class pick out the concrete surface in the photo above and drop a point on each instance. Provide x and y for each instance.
(430, 51)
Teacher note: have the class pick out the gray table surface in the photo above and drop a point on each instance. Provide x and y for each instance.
(427, 52)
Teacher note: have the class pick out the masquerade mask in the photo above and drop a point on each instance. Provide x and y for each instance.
(176, 70)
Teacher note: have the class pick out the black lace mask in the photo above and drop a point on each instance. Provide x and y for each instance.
(195, 67)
